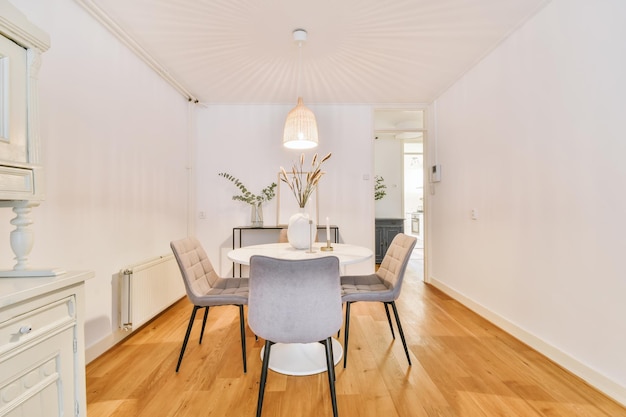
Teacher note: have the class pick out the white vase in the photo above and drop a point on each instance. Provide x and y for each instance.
(301, 229)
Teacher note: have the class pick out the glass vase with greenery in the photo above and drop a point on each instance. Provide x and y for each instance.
(255, 200)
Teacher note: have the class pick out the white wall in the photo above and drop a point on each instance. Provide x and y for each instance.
(532, 138)
(246, 141)
(115, 151)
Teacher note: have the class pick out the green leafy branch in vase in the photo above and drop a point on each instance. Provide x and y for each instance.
(246, 196)
(379, 187)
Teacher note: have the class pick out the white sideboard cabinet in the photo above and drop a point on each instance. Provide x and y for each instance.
(42, 352)
(21, 171)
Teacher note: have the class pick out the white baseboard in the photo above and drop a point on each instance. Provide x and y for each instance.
(589, 375)
(107, 342)
(104, 344)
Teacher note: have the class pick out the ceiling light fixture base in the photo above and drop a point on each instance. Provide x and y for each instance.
(299, 35)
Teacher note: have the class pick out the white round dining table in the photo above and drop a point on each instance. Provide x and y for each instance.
(347, 254)
(301, 358)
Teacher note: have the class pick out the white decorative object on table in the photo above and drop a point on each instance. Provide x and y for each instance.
(299, 230)
(302, 184)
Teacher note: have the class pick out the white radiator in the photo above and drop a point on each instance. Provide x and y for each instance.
(148, 288)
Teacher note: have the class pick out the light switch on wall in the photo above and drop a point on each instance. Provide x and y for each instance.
(435, 173)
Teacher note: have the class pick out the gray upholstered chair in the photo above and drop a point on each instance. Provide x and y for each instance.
(206, 289)
(295, 301)
(384, 286)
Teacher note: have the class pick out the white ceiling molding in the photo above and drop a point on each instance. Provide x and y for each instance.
(135, 47)
(14, 25)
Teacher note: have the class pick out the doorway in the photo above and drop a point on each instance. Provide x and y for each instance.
(399, 173)
(414, 197)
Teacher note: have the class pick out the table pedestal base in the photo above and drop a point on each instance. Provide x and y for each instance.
(301, 358)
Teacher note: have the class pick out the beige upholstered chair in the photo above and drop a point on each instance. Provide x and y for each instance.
(384, 285)
(295, 301)
(206, 289)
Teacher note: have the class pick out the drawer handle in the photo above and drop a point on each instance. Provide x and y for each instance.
(25, 329)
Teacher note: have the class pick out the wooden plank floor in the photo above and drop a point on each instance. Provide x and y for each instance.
(462, 367)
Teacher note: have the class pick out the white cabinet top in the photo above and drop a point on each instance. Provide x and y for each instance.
(15, 290)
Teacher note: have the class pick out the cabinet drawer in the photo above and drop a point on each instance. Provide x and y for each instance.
(16, 180)
(38, 381)
(37, 323)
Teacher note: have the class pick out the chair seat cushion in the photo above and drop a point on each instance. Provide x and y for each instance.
(364, 288)
(226, 291)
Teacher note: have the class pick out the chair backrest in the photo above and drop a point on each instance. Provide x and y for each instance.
(195, 267)
(294, 301)
(395, 261)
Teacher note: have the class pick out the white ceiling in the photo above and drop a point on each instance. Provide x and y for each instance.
(358, 51)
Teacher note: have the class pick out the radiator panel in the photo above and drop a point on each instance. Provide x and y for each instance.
(148, 288)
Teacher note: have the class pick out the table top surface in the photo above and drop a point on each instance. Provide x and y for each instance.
(275, 227)
(347, 254)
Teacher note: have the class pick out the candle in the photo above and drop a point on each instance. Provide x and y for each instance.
(327, 229)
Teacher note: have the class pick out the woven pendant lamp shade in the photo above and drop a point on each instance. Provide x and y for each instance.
(300, 128)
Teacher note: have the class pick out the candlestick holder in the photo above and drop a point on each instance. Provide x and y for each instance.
(311, 237)
(327, 248)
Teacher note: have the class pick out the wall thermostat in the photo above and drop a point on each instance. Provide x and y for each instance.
(435, 173)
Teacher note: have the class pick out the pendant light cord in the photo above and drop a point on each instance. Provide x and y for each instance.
(298, 91)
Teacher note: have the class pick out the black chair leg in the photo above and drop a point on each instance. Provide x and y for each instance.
(206, 314)
(395, 312)
(182, 350)
(389, 320)
(332, 358)
(332, 354)
(346, 330)
(324, 343)
(339, 331)
(242, 328)
(266, 361)
(328, 344)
